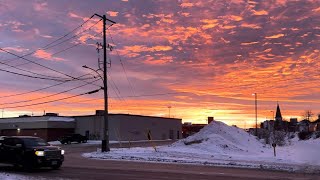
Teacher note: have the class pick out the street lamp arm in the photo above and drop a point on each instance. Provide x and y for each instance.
(96, 71)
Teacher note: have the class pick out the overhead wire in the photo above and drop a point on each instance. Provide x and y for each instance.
(56, 100)
(63, 36)
(51, 95)
(146, 95)
(44, 76)
(122, 65)
(29, 92)
(23, 57)
(58, 52)
(74, 36)
(50, 45)
(35, 77)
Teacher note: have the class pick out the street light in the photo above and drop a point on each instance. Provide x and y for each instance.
(96, 71)
(256, 110)
(105, 138)
(272, 115)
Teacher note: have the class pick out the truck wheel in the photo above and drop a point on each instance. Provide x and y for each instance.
(27, 166)
(18, 162)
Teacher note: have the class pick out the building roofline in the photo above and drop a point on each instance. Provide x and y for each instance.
(129, 115)
(91, 116)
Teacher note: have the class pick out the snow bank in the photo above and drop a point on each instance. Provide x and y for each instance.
(217, 137)
(218, 144)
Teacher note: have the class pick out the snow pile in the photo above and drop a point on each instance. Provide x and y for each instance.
(218, 144)
(217, 137)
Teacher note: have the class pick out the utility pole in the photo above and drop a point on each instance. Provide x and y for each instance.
(169, 107)
(105, 139)
(256, 102)
(256, 111)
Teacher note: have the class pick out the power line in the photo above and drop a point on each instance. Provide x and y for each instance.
(69, 32)
(123, 68)
(74, 36)
(19, 94)
(63, 50)
(65, 35)
(51, 77)
(48, 95)
(160, 94)
(146, 95)
(69, 97)
(47, 47)
(36, 63)
(35, 77)
(21, 57)
(117, 94)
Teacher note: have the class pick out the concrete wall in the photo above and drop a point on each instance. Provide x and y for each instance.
(91, 126)
(41, 126)
(121, 127)
(130, 127)
(46, 134)
(137, 127)
(36, 125)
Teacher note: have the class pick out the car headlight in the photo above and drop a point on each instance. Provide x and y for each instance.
(39, 153)
(62, 152)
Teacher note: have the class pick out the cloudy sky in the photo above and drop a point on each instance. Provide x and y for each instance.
(189, 59)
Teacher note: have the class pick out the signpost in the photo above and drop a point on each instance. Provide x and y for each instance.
(274, 148)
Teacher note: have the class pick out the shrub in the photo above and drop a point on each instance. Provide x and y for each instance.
(304, 135)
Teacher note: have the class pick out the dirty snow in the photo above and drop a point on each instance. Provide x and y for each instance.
(13, 176)
(222, 145)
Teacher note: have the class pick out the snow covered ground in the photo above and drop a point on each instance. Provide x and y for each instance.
(13, 176)
(221, 145)
(98, 142)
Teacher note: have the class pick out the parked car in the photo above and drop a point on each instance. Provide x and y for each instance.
(68, 139)
(30, 152)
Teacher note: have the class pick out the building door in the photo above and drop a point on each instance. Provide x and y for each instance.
(178, 134)
(171, 135)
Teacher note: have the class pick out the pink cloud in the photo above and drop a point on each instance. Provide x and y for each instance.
(16, 49)
(46, 55)
(260, 13)
(40, 6)
(112, 13)
(186, 5)
(275, 36)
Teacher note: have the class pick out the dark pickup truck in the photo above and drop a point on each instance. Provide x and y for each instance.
(68, 139)
(30, 152)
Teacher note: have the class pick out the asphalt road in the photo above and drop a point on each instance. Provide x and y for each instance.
(77, 167)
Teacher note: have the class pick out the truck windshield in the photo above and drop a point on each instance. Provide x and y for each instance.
(31, 142)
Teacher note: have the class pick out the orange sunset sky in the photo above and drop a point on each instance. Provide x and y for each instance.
(201, 58)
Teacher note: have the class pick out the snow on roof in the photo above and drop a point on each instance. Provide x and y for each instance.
(65, 119)
(37, 119)
(217, 137)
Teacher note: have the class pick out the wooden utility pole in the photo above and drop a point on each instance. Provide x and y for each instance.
(105, 139)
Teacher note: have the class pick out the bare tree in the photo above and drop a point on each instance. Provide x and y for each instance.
(308, 114)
